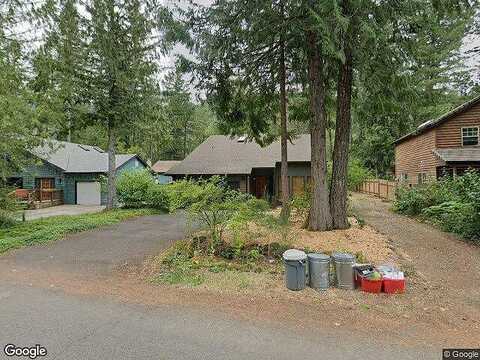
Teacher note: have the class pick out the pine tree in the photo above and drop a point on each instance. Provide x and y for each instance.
(19, 129)
(246, 66)
(58, 68)
(121, 65)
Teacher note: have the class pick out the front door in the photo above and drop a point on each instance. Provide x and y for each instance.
(260, 186)
(45, 185)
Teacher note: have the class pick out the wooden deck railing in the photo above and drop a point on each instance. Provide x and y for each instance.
(39, 195)
(384, 189)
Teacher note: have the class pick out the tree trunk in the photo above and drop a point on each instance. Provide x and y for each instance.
(282, 74)
(320, 217)
(338, 189)
(185, 129)
(112, 190)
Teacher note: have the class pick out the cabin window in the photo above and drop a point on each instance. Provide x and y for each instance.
(16, 182)
(403, 177)
(470, 136)
(422, 178)
(233, 184)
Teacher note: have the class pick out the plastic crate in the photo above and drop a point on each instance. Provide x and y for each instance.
(393, 286)
(371, 286)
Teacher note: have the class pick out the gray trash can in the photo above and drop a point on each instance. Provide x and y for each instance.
(295, 269)
(319, 271)
(344, 270)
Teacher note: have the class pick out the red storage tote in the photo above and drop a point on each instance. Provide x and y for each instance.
(371, 286)
(393, 286)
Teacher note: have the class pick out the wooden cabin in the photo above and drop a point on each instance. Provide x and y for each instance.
(448, 145)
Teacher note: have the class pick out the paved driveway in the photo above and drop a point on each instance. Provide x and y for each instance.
(62, 210)
(99, 251)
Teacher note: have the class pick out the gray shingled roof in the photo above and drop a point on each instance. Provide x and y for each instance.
(162, 166)
(77, 158)
(220, 155)
(458, 155)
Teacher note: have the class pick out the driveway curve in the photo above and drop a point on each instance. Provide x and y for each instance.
(99, 251)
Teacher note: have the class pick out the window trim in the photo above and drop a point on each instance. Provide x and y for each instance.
(471, 127)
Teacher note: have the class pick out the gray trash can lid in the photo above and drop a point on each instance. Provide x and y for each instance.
(318, 257)
(294, 255)
(343, 257)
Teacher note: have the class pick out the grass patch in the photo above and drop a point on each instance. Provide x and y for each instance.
(54, 228)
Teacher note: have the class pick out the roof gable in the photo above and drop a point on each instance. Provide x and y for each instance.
(77, 158)
(162, 166)
(424, 127)
(220, 154)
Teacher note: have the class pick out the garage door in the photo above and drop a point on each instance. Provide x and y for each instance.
(88, 193)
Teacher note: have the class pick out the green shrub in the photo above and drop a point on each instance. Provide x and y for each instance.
(183, 193)
(8, 206)
(301, 203)
(133, 187)
(454, 204)
(456, 217)
(357, 174)
(157, 197)
(7, 219)
(412, 201)
(138, 189)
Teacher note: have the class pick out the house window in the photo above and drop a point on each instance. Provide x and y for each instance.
(422, 178)
(403, 177)
(470, 136)
(16, 182)
(233, 184)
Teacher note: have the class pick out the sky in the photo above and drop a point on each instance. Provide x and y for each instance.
(31, 33)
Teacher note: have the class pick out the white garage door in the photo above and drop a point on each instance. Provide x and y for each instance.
(88, 193)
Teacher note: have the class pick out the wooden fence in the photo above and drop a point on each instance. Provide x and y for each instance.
(382, 188)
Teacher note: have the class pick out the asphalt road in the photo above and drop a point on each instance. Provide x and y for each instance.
(85, 327)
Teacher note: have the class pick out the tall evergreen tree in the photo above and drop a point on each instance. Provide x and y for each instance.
(59, 66)
(19, 129)
(247, 60)
(125, 37)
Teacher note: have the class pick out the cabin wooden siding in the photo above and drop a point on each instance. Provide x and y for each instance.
(415, 156)
(449, 134)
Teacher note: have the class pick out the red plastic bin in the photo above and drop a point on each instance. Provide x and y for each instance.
(393, 286)
(371, 286)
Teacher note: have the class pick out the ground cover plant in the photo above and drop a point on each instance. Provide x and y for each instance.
(452, 203)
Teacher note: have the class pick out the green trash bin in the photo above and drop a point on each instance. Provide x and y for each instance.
(295, 269)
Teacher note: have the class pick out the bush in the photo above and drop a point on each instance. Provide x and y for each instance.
(157, 197)
(183, 193)
(8, 206)
(301, 203)
(6, 219)
(454, 204)
(132, 188)
(357, 174)
(138, 189)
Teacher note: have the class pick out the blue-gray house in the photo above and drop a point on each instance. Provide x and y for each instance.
(69, 173)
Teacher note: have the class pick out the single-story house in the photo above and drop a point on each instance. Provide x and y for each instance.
(161, 167)
(247, 166)
(64, 172)
(448, 145)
